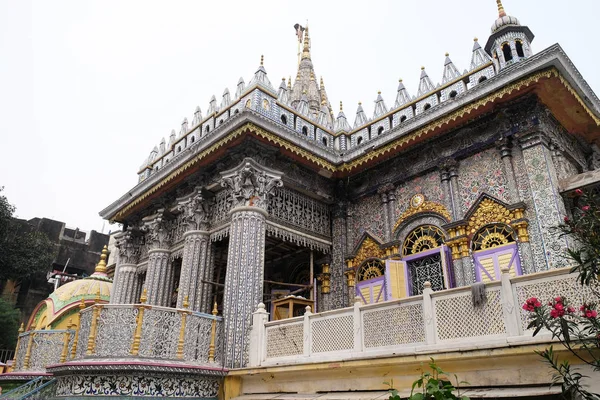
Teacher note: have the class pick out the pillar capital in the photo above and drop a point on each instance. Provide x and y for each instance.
(251, 184)
(195, 210)
(157, 234)
(128, 251)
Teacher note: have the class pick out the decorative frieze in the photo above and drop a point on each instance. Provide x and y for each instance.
(298, 210)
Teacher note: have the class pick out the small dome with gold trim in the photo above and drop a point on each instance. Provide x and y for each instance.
(64, 302)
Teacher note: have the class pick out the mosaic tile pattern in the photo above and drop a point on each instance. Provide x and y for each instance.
(428, 185)
(367, 215)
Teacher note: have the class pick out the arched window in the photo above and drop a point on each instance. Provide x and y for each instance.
(305, 131)
(236, 111)
(424, 256)
(519, 47)
(402, 118)
(370, 269)
(193, 139)
(380, 130)
(265, 105)
(423, 238)
(491, 236)
(481, 79)
(248, 103)
(359, 141)
(283, 119)
(453, 94)
(207, 128)
(426, 107)
(220, 122)
(178, 149)
(324, 140)
(507, 52)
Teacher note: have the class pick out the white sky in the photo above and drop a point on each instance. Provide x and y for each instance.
(87, 88)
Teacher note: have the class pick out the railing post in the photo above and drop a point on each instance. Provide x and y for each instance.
(213, 335)
(511, 317)
(78, 326)
(65, 350)
(357, 325)
(257, 335)
(181, 340)
(428, 313)
(28, 351)
(137, 333)
(91, 345)
(306, 332)
(21, 330)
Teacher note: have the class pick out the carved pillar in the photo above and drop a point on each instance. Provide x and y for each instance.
(206, 300)
(457, 210)
(159, 264)
(250, 185)
(195, 250)
(386, 216)
(506, 155)
(547, 204)
(123, 291)
(338, 295)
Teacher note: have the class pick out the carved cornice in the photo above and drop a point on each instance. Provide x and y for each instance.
(250, 184)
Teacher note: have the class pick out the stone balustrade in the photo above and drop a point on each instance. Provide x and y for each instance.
(37, 349)
(434, 322)
(143, 331)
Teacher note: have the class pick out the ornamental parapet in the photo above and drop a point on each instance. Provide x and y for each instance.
(37, 349)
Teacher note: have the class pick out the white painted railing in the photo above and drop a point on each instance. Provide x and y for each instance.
(435, 321)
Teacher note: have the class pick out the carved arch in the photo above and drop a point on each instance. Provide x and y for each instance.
(489, 210)
(426, 218)
(425, 208)
(369, 246)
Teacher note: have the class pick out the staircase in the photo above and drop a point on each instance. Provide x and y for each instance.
(38, 388)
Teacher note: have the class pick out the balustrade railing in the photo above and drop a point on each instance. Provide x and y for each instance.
(37, 349)
(432, 322)
(149, 332)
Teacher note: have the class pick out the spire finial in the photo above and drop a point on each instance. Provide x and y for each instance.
(290, 83)
(306, 48)
(475, 39)
(341, 106)
(262, 59)
(447, 54)
(501, 12)
(321, 83)
(400, 80)
(379, 92)
(101, 266)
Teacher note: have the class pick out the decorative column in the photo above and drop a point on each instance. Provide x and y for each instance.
(386, 214)
(506, 154)
(449, 178)
(391, 209)
(339, 289)
(195, 250)
(250, 186)
(547, 204)
(159, 265)
(125, 282)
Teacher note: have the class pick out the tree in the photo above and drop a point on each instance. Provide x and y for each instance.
(576, 326)
(24, 252)
(9, 321)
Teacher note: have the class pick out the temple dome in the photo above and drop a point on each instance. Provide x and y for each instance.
(503, 19)
(64, 301)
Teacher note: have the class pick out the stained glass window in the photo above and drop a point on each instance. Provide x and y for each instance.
(423, 238)
(370, 269)
(491, 236)
(425, 269)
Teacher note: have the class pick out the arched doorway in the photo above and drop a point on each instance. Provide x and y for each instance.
(494, 247)
(426, 260)
(370, 285)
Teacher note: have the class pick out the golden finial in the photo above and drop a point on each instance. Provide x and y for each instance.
(290, 83)
(22, 328)
(82, 304)
(214, 310)
(422, 68)
(304, 91)
(71, 325)
(101, 266)
(98, 298)
(475, 39)
(322, 84)
(306, 48)
(501, 12)
(262, 59)
(379, 92)
(341, 106)
(312, 76)
(360, 103)
(400, 80)
(186, 302)
(144, 296)
(447, 54)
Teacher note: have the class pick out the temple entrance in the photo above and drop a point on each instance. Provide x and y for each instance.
(288, 272)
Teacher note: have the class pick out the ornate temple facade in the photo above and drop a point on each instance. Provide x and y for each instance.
(268, 194)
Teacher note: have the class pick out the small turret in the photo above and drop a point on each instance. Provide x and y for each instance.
(450, 70)
(425, 84)
(172, 138)
(324, 118)
(479, 56)
(361, 117)
(341, 123)
(302, 106)
(212, 106)
(380, 107)
(240, 88)
(510, 42)
(260, 77)
(197, 116)
(161, 147)
(226, 100)
(402, 97)
(282, 93)
(184, 127)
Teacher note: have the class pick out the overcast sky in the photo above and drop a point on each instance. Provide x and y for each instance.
(88, 88)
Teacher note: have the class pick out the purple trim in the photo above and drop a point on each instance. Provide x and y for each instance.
(515, 261)
(443, 252)
(371, 283)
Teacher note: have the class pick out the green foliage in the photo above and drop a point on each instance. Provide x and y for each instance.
(9, 321)
(23, 253)
(577, 327)
(434, 385)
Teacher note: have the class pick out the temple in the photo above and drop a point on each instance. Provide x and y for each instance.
(271, 246)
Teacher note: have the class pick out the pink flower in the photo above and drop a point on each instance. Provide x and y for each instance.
(570, 310)
(585, 208)
(578, 192)
(532, 304)
(587, 311)
(566, 219)
(558, 299)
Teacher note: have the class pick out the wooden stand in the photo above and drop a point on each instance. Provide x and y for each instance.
(290, 306)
